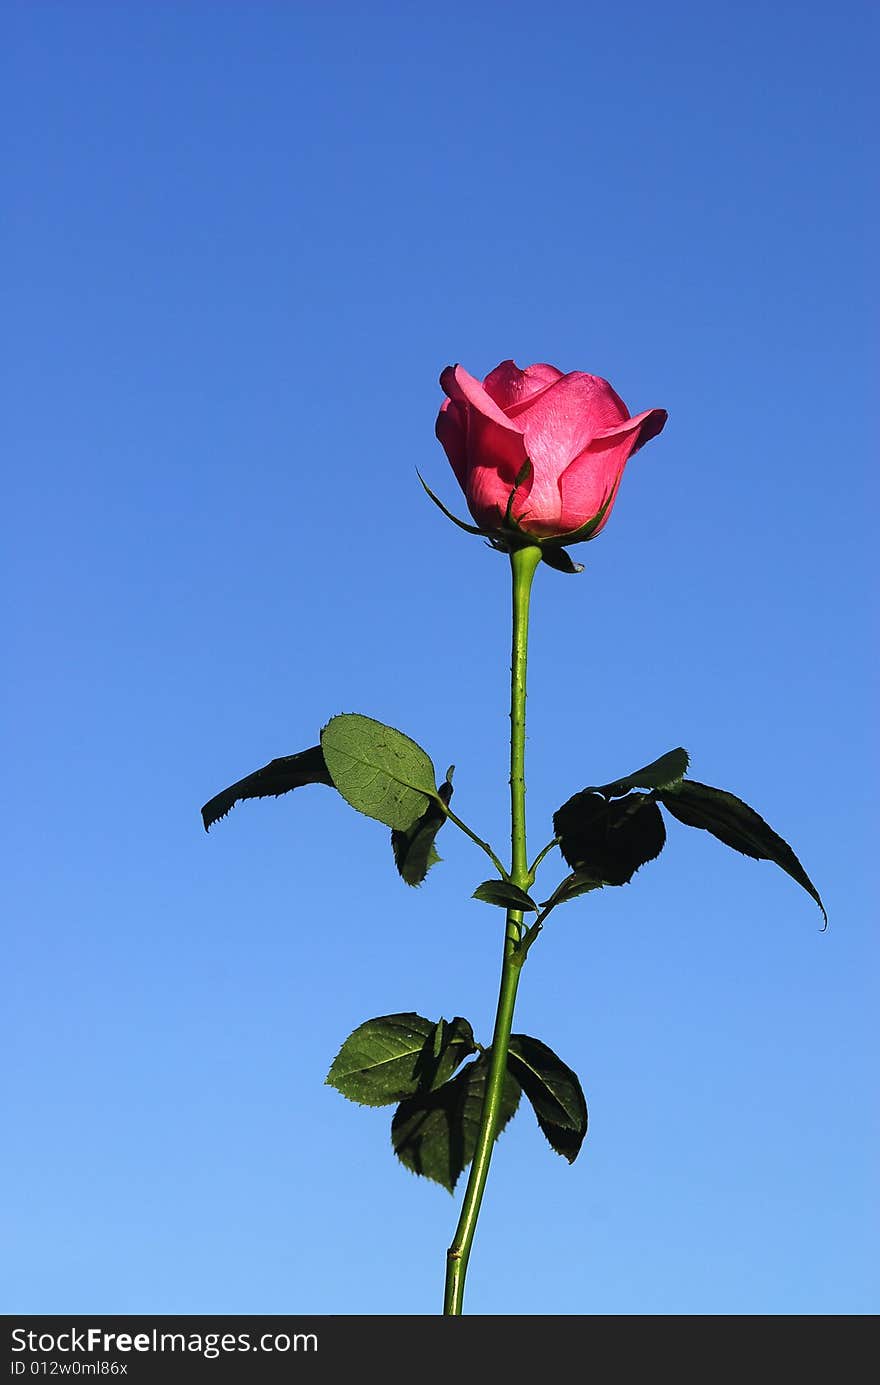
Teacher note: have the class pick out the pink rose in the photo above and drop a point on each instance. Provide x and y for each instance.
(565, 438)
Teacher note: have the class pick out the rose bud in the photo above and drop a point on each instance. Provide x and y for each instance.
(537, 452)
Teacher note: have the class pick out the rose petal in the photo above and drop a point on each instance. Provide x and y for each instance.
(451, 429)
(594, 475)
(494, 448)
(512, 388)
(575, 430)
(488, 493)
(464, 389)
(652, 422)
(561, 421)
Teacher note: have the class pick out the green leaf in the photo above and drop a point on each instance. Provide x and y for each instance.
(736, 824)
(395, 1056)
(506, 895)
(572, 887)
(278, 777)
(554, 1091)
(435, 1134)
(607, 842)
(378, 770)
(379, 1063)
(660, 774)
(414, 850)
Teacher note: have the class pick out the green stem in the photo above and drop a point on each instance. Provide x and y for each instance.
(484, 846)
(523, 564)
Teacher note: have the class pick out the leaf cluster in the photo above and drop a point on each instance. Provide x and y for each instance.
(608, 832)
(605, 832)
(379, 771)
(407, 1060)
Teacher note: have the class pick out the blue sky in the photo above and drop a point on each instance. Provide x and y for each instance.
(242, 241)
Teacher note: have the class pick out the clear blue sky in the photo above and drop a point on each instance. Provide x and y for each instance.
(242, 241)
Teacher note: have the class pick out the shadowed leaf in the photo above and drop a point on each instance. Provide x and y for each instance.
(505, 895)
(554, 1092)
(414, 850)
(450, 1044)
(278, 777)
(606, 842)
(736, 824)
(435, 1135)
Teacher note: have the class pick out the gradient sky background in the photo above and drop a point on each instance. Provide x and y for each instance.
(242, 241)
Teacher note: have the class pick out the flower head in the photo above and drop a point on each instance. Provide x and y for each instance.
(538, 452)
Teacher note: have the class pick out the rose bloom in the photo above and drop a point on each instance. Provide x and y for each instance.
(573, 429)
